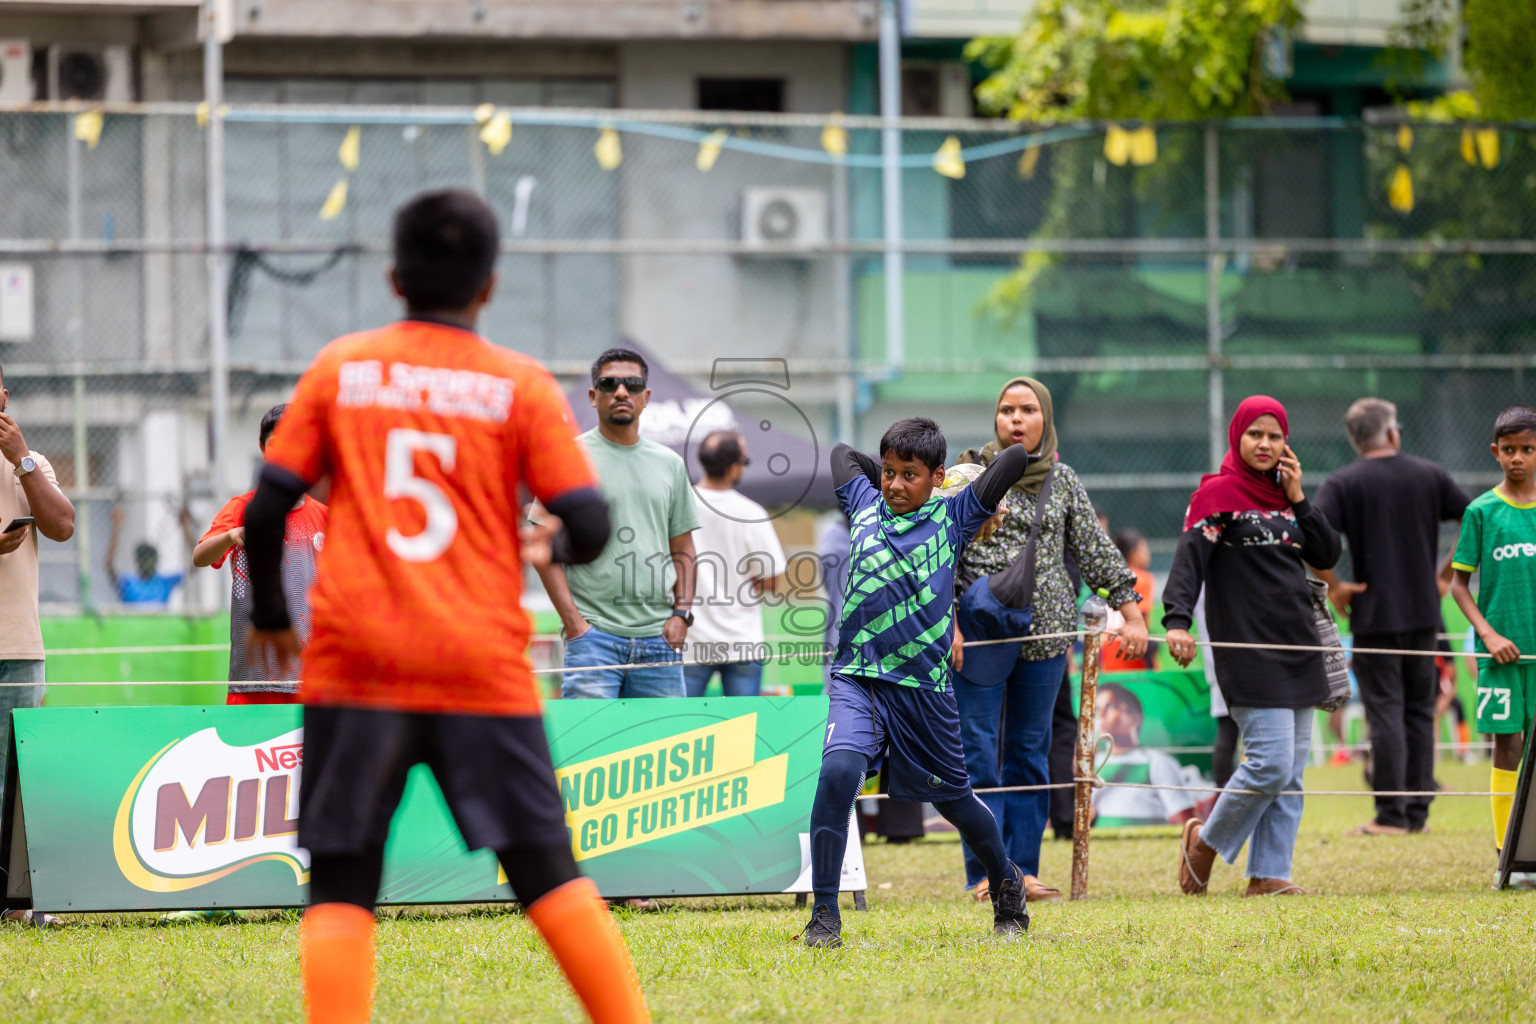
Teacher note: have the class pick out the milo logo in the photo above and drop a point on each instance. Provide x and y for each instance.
(1514, 551)
(202, 809)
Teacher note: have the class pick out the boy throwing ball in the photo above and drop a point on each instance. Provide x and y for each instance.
(419, 647)
(891, 698)
(1498, 539)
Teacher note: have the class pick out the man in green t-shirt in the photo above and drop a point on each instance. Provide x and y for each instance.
(632, 606)
(1498, 541)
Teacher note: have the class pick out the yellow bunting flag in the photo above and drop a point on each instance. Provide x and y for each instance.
(1400, 192)
(1143, 146)
(496, 132)
(1468, 147)
(1488, 147)
(484, 112)
(1117, 145)
(834, 137)
(709, 149)
(1028, 161)
(1404, 138)
(336, 201)
(88, 127)
(202, 113)
(351, 148)
(948, 161)
(609, 151)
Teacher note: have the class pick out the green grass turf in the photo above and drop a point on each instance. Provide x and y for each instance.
(1400, 929)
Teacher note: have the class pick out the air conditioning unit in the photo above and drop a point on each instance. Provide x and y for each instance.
(772, 217)
(16, 72)
(102, 74)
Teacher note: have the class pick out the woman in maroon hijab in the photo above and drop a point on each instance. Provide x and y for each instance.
(1248, 537)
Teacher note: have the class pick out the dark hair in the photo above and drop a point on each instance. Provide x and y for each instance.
(719, 451)
(618, 355)
(446, 245)
(1128, 541)
(270, 420)
(1121, 695)
(916, 438)
(1517, 419)
(145, 550)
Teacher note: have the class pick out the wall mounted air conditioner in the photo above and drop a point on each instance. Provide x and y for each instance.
(80, 71)
(16, 84)
(773, 217)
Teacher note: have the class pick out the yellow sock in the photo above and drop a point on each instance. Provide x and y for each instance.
(1503, 784)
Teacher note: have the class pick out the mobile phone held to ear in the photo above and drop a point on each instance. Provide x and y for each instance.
(18, 523)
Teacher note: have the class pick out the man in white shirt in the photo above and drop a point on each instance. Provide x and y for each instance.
(739, 561)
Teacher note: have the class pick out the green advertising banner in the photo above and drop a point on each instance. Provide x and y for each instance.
(153, 808)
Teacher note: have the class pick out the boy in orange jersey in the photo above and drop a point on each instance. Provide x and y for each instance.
(303, 540)
(418, 646)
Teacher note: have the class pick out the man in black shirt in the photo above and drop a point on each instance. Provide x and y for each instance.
(1389, 506)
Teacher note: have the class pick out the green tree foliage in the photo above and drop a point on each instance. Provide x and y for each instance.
(1142, 59)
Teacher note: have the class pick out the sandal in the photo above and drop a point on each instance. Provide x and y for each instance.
(1196, 860)
(1374, 828)
(1274, 887)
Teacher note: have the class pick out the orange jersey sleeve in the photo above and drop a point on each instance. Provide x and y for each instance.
(553, 461)
(229, 517)
(427, 433)
(301, 442)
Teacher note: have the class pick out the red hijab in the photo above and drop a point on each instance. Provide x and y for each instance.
(1238, 487)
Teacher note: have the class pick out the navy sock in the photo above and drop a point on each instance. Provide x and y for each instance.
(979, 829)
(842, 776)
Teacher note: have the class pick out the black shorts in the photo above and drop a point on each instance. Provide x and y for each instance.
(494, 770)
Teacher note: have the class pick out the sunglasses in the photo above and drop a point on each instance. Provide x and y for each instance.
(608, 385)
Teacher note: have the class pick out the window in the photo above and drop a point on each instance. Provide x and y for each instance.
(754, 95)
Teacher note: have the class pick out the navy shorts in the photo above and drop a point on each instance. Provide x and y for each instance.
(915, 732)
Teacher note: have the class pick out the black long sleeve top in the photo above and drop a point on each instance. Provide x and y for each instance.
(1253, 566)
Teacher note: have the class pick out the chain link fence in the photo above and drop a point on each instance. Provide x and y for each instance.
(1151, 276)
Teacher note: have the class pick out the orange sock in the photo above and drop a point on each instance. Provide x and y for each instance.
(578, 929)
(336, 954)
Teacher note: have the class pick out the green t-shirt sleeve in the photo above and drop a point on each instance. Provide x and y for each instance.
(683, 516)
(1469, 546)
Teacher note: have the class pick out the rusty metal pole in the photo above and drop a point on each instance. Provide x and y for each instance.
(1082, 810)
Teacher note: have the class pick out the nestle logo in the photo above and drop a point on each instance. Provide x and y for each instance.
(283, 758)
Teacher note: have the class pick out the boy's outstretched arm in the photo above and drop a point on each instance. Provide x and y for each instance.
(1503, 650)
(1004, 472)
(848, 463)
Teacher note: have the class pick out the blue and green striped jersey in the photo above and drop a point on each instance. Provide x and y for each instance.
(898, 608)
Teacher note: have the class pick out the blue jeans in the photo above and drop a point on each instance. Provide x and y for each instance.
(1020, 708)
(737, 678)
(16, 671)
(1275, 744)
(660, 676)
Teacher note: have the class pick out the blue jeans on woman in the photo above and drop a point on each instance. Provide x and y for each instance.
(1019, 708)
(1276, 742)
(659, 671)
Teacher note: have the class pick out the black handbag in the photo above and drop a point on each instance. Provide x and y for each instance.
(1335, 661)
(982, 616)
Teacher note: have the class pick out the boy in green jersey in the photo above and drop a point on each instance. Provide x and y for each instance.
(1498, 538)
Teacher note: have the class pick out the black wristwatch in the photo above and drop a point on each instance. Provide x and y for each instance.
(684, 614)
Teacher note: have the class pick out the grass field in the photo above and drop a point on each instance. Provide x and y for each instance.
(1400, 929)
